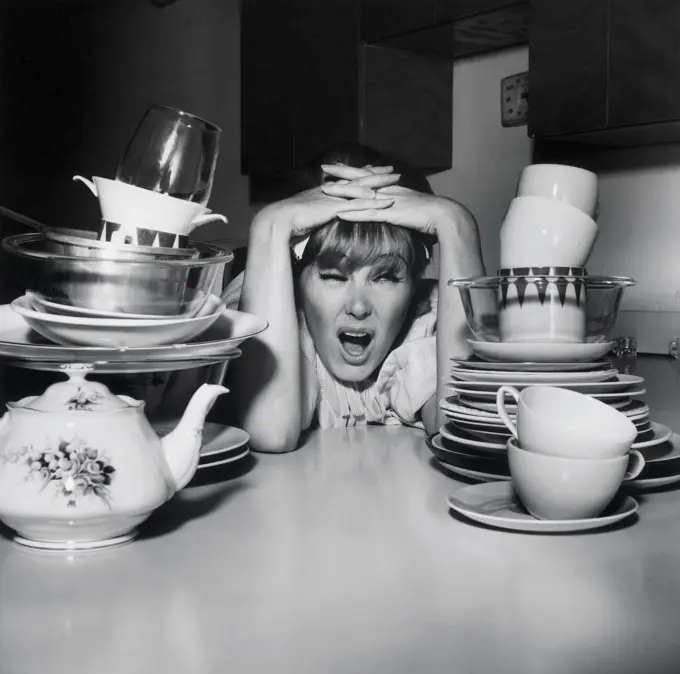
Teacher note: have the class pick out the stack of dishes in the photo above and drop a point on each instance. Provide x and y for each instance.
(222, 445)
(473, 441)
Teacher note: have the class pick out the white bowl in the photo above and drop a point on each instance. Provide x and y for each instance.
(116, 332)
(570, 184)
(542, 232)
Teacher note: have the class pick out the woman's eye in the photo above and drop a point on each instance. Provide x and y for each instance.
(388, 278)
(332, 276)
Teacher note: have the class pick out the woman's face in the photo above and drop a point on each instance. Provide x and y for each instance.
(354, 317)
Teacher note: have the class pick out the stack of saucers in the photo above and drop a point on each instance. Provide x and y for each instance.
(222, 445)
(473, 440)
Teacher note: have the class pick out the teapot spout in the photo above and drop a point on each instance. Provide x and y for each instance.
(182, 446)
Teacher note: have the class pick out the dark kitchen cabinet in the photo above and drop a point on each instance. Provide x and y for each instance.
(308, 82)
(605, 72)
(381, 19)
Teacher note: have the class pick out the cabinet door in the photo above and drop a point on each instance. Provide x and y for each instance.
(381, 19)
(568, 67)
(268, 59)
(452, 10)
(644, 62)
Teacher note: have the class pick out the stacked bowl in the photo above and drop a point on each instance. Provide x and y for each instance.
(93, 294)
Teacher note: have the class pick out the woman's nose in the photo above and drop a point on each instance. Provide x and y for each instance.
(357, 304)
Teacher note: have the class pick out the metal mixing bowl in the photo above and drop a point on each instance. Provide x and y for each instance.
(150, 283)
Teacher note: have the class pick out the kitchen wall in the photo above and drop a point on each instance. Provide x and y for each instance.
(639, 193)
(76, 78)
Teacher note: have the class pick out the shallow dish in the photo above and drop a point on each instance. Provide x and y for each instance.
(112, 332)
(19, 342)
(540, 351)
(520, 377)
(496, 504)
(474, 363)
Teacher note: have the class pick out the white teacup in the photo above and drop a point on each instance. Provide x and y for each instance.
(558, 488)
(542, 232)
(542, 305)
(133, 206)
(570, 184)
(563, 423)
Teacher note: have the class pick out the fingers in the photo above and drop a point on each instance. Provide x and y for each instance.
(342, 171)
(368, 214)
(377, 181)
(394, 189)
(348, 191)
(352, 172)
(356, 206)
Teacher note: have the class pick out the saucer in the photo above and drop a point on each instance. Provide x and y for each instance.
(459, 436)
(496, 504)
(531, 366)
(217, 438)
(607, 382)
(222, 462)
(542, 352)
(473, 474)
(661, 434)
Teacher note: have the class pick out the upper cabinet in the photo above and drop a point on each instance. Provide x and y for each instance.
(380, 72)
(605, 72)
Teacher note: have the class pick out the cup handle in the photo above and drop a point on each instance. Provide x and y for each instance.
(208, 217)
(500, 407)
(89, 183)
(635, 465)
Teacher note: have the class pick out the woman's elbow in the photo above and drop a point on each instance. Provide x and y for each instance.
(266, 438)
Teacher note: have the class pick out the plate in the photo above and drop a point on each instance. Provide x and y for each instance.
(617, 384)
(217, 438)
(495, 504)
(459, 436)
(539, 352)
(512, 409)
(473, 474)
(104, 367)
(19, 342)
(524, 378)
(491, 395)
(230, 459)
(661, 434)
(116, 332)
(531, 366)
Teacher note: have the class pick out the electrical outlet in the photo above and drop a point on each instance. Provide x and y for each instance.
(515, 99)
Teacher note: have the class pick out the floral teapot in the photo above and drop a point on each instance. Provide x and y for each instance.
(81, 467)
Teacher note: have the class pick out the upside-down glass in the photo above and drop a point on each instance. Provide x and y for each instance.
(172, 152)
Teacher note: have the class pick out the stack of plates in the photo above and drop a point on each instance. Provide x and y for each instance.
(221, 444)
(473, 440)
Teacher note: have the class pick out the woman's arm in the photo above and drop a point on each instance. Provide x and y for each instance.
(267, 376)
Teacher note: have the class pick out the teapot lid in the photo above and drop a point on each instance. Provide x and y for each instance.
(75, 394)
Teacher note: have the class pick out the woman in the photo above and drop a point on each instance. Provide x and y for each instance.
(351, 335)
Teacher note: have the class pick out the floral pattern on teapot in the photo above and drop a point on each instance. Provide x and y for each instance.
(73, 469)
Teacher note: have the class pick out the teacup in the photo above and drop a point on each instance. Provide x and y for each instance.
(542, 304)
(574, 186)
(538, 231)
(131, 206)
(559, 488)
(562, 423)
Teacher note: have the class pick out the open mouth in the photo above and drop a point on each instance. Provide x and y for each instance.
(355, 344)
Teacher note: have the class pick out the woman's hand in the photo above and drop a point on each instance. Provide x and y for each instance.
(426, 213)
(356, 190)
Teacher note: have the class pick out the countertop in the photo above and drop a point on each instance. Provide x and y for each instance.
(344, 557)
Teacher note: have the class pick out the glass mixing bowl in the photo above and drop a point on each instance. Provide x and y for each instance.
(146, 282)
(542, 307)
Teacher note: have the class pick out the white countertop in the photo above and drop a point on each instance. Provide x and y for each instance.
(342, 557)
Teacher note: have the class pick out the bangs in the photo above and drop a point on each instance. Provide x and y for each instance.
(349, 246)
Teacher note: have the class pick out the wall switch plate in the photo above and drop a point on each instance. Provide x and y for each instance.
(515, 99)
